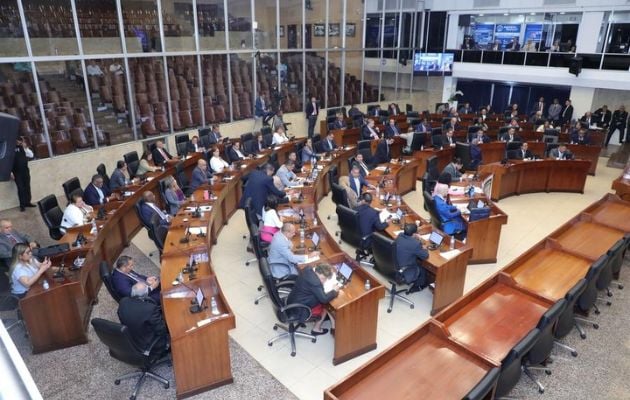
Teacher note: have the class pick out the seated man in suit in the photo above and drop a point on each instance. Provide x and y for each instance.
(364, 168)
(9, 237)
(524, 153)
(423, 126)
(339, 122)
(383, 153)
(369, 131)
(369, 218)
(511, 136)
(561, 153)
(215, 134)
(357, 181)
(587, 119)
(450, 216)
(309, 291)
(466, 109)
(448, 139)
(408, 251)
(580, 137)
(376, 111)
(481, 136)
(201, 175)
(297, 164)
(160, 155)
(392, 130)
(286, 175)
(97, 193)
(124, 277)
(475, 154)
(257, 145)
(454, 168)
(193, 146)
(308, 152)
(328, 144)
(393, 109)
(149, 208)
(260, 185)
(120, 176)
(354, 111)
(282, 259)
(453, 124)
(235, 154)
(142, 315)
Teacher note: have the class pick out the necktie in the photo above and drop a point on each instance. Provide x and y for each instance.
(160, 213)
(12, 238)
(163, 153)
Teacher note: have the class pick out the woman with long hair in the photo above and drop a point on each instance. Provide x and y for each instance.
(25, 269)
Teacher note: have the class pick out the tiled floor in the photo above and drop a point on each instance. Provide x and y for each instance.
(530, 218)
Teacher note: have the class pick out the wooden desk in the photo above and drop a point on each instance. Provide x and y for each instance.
(425, 363)
(610, 211)
(347, 137)
(580, 152)
(584, 238)
(547, 270)
(492, 318)
(444, 156)
(519, 177)
(621, 185)
(403, 176)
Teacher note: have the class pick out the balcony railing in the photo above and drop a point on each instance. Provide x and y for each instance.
(607, 61)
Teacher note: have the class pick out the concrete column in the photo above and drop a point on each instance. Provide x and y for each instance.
(588, 33)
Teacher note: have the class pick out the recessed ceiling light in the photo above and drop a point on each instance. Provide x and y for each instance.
(562, 12)
(532, 13)
(481, 15)
(506, 14)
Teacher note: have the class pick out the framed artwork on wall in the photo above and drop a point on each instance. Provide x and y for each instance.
(319, 30)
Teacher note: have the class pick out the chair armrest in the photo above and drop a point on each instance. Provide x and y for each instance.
(297, 305)
(148, 350)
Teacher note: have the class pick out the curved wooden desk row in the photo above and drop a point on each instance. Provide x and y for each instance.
(621, 185)
(451, 352)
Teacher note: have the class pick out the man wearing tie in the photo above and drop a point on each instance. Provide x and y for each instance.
(329, 144)
(215, 134)
(423, 126)
(363, 167)
(339, 122)
(604, 116)
(261, 110)
(357, 182)
(200, 175)
(539, 106)
(149, 208)
(448, 138)
(524, 153)
(510, 136)
(619, 121)
(392, 130)
(312, 111)
(9, 237)
(554, 111)
(587, 119)
(567, 112)
(160, 155)
(193, 146)
(561, 153)
(383, 151)
(369, 131)
(124, 277)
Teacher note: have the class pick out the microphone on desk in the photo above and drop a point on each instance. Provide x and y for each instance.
(60, 273)
(194, 306)
(186, 237)
(100, 215)
(197, 212)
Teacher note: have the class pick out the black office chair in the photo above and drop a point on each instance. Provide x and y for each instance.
(267, 139)
(182, 149)
(147, 224)
(273, 160)
(122, 347)
(339, 196)
(333, 175)
(182, 179)
(485, 386)
(364, 144)
(432, 168)
(72, 186)
(319, 147)
(106, 276)
(132, 161)
(182, 138)
(385, 261)
(587, 299)
(246, 136)
(539, 356)
(52, 215)
(428, 185)
(10, 303)
(290, 315)
(511, 364)
(429, 204)
(436, 141)
(566, 322)
(350, 232)
(618, 254)
(159, 233)
(606, 275)
(417, 143)
(513, 154)
(102, 171)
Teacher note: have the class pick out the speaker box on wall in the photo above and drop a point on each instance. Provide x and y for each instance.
(464, 20)
(9, 125)
(575, 67)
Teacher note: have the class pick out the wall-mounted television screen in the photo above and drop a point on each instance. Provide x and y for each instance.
(433, 64)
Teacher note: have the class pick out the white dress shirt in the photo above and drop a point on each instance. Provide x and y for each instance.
(218, 164)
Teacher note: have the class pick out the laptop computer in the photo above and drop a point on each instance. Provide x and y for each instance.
(315, 240)
(344, 273)
(435, 240)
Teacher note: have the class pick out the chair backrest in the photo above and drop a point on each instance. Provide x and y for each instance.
(615, 255)
(513, 145)
(436, 140)
(364, 144)
(251, 217)
(247, 136)
(511, 364)
(71, 186)
(259, 250)
(119, 341)
(52, 215)
(429, 203)
(419, 138)
(182, 149)
(145, 223)
(485, 386)
(159, 236)
(462, 150)
(589, 296)
(513, 154)
(106, 277)
(333, 175)
(270, 285)
(102, 171)
(384, 252)
(432, 168)
(349, 225)
(182, 138)
(566, 321)
(132, 161)
(542, 349)
(339, 195)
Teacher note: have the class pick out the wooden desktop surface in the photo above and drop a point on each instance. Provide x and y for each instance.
(621, 185)
(612, 212)
(588, 239)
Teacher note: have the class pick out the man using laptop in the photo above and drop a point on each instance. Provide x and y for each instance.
(450, 216)
(282, 259)
(408, 251)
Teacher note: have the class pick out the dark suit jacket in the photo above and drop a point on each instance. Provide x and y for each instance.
(604, 118)
(212, 138)
(409, 250)
(365, 133)
(259, 110)
(326, 146)
(190, 147)
(506, 137)
(389, 132)
(393, 111)
(309, 109)
(6, 246)
(575, 138)
(369, 221)
(117, 180)
(232, 155)
(199, 178)
(259, 185)
(147, 213)
(362, 183)
(90, 194)
(157, 157)
(566, 114)
(308, 290)
(143, 317)
(339, 124)
(619, 120)
(555, 153)
(445, 140)
(528, 154)
(122, 284)
(383, 152)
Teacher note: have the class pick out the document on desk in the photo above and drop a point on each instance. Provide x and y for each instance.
(196, 230)
(381, 168)
(201, 208)
(384, 214)
(288, 212)
(450, 254)
(329, 284)
(462, 207)
(310, 260)
(149, 178)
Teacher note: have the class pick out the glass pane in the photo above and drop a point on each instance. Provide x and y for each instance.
(98, 23)
(179, 26)
(335, 15)
(537, 59)
(267, 75)
(290, 23)
(265, 24)
(67, 114)
(241, 70)
(403, 83)
(149, 91)
(12, 41)
(354, 24)
(370, 90)
(373, 34)
(591, 60)
(334, 79)
(215, 81)
(18, 97)
(183, 81)
(107, 81)
(390, 35)
(316, 19)
(514, 58)
(240, 24)
(50, 27)
(473, 56)
(352, 86)
(211, 24)
(618, 62)
(142, 33)
(619, 38)
(315, 77)
(492, 57)
(292, 87)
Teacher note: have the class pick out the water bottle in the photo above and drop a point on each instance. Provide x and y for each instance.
(45, 285)
(213, 306)
(368, 286)
(94, 229)
(399, 200)
(315, 222)
(378, 192)
(302, 234)
(452, 246)
(180, 277)
(192, 197)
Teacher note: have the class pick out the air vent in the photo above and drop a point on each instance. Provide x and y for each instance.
(558, 2)
(486, 3)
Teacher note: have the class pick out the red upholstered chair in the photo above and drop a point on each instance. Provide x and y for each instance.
(185, 117)
(161, 122)
(196, 116)
(177, 125)
(79, 120)
(159, 108)
(105, 94)
(142, 98)
(61, 142)
(184, 104)
(209, 111)
(220, 114)
(120, 104)
(79, 137)
(40, 148)
(148, 127)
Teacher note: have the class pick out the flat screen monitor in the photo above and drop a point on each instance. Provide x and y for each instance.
(433, 64)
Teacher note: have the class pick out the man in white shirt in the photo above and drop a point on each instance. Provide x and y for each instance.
(94, 70)
(279, 137)
(115, 68)
(77, 213)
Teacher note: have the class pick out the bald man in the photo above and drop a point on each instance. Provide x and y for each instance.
(201, 175)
